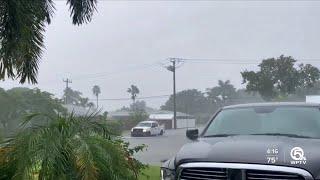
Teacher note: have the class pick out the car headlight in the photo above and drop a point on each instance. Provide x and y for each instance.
(167, 174)
(145, 130)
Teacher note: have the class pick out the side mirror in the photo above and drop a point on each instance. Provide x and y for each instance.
(192, 134)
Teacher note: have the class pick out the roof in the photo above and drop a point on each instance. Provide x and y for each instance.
(164, 112)
(148, 122)
(303, 104)
(167, 115)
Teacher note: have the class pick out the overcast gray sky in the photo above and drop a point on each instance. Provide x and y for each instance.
(128, 40)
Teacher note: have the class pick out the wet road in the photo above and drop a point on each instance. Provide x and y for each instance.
(159, 147)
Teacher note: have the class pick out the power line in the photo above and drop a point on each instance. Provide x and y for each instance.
(104, 74)
(138, 98)
(108, 74)
(181, 61)
(236, 61)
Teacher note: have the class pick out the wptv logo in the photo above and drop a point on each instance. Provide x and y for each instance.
(298, 156)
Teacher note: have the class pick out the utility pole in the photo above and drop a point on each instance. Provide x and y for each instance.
(67, 81)
(173, 68)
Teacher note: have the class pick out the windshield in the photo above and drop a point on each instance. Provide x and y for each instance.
(299, 121)
(144, 124)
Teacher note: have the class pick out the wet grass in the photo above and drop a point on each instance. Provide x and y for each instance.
(151, 173)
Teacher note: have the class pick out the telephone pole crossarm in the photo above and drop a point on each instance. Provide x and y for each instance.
(67, 81)
(173, 68)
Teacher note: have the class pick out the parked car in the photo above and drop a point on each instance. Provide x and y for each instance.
(147, 128)
(254, 141)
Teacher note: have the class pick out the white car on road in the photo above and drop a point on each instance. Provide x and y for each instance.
(147, 128)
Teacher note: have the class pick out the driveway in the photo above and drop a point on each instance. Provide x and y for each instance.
(159, 147)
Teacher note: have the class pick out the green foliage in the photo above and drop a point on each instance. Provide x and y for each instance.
(105, 114)
(302, 92)
(134, 119)
(74, 97)
(139, 106)
(150, 173)
(203, 105)
(82, 10)
(68, 148)
(115, 127)
(222, 94)
(190, 101)
(17, 102)
(280, 77)
(138, 116)
(22, 27)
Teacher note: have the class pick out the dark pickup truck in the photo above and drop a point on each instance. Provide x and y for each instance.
(267, 141)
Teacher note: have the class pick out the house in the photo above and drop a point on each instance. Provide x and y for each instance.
(166, 119)
(313, 99)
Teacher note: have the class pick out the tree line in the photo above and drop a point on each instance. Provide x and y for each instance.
(203, 104)
(18, 102)
(278, 79)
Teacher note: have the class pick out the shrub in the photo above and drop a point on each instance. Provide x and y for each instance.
(115, 127)
(68, 148)
(134, 119)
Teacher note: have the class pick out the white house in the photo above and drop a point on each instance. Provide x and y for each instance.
(166, 118)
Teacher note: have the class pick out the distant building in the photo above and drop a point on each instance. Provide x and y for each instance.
(165, 118)
(313, 99)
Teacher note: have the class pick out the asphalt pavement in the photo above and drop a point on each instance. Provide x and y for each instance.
(159, 148)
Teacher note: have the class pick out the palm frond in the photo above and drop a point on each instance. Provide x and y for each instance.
(84, 159)
(69, 148)
(82, 10)
(22, 26)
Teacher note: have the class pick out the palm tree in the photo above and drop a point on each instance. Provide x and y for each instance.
(67, 148)
(90, 104)
(22, 27)
(96, 91)
(134, 91)
(221, 93)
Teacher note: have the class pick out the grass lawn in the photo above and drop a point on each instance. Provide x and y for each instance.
(153, 172)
